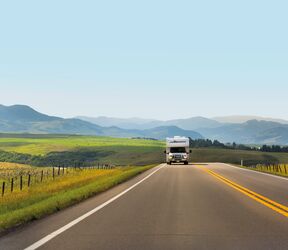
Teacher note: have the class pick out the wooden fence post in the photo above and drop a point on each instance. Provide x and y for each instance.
(42, 172)
(3, 188)
(29, 180)
(21, 182)
(12, 185)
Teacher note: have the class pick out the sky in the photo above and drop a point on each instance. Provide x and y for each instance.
(149, 59)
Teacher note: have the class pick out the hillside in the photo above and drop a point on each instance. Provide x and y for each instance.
(246, 118)
(169, 131)
(23, 113)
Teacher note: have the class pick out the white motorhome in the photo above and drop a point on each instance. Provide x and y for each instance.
(177, 150)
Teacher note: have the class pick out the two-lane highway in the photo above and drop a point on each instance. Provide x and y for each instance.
(170, 207)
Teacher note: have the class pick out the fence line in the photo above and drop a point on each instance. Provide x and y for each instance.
(25, 179)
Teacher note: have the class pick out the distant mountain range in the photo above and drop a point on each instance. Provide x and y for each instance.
(239, 129)
(24, 119)
(138, 123)
(250, 132)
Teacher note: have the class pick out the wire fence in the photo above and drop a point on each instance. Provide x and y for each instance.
(19, 179)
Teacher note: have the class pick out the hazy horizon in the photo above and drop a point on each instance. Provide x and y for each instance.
(232, 116)
(157, 60)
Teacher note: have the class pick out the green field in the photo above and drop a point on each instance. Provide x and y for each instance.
(41, 145)
(65, 149)
(95, 149)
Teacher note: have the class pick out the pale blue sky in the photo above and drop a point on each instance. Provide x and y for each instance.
(154, 59)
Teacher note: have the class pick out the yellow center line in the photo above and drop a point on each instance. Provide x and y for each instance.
(255, 196)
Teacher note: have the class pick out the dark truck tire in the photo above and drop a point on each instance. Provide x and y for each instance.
(185, 162)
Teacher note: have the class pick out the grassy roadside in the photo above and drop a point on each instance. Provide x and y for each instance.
(38, 201)
(279, 170)
(235, 156)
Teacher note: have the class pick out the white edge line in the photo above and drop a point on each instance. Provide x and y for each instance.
(52, 235)
(271, 175)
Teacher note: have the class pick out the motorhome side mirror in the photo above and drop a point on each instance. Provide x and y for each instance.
(190, 151)
(165, 152)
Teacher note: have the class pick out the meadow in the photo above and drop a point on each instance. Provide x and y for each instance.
(46, 150)
(66, 150)
(41, 144)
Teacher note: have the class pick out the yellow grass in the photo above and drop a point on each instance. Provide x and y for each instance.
(49, 186)
(8, 165)
(278, 169)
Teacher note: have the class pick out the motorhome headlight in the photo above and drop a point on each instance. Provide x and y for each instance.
(185, 156)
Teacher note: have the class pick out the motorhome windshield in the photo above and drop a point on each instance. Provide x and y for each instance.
(178, 150)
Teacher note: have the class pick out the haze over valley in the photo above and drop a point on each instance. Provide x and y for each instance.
(258, 130)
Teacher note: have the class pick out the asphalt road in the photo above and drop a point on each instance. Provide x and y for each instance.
(177, 207)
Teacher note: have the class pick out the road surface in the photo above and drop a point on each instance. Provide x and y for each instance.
(200, 206)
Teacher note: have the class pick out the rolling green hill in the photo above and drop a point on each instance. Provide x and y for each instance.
(70, 150)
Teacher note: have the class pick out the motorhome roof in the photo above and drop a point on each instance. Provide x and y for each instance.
(178, 139)
(178, 142)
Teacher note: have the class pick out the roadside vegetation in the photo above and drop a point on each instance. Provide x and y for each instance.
(278, 169)
(53, 194)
